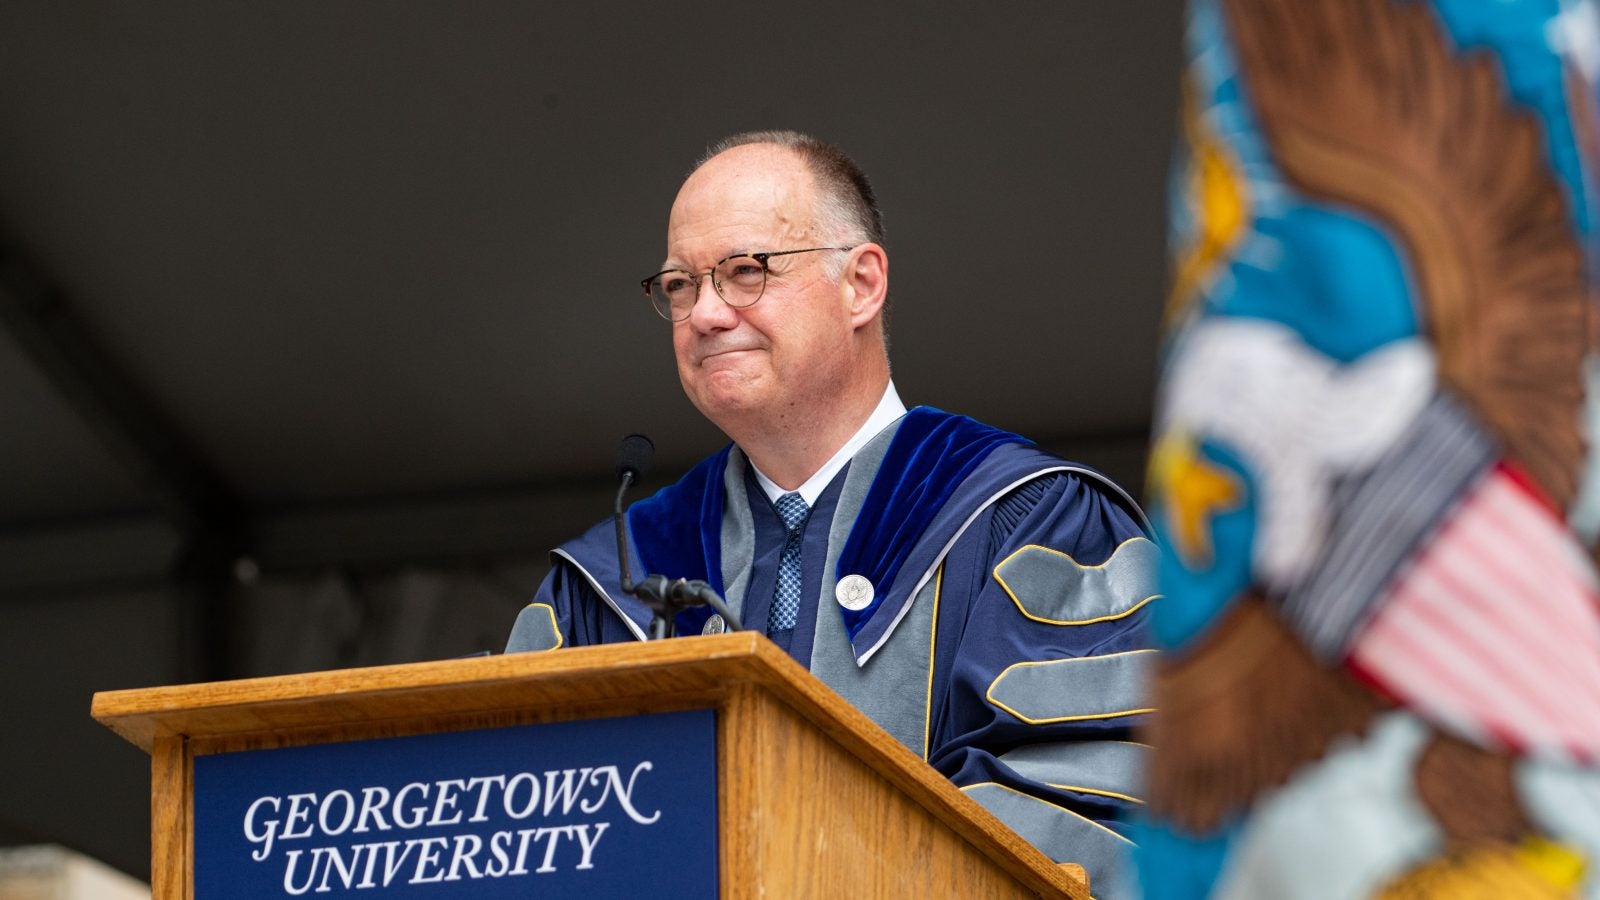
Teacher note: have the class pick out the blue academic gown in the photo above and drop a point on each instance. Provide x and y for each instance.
(1005, 638)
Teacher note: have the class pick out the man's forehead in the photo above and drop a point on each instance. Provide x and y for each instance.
(750, 164)
(757, 192)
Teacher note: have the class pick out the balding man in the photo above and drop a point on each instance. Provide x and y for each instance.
(978, 598)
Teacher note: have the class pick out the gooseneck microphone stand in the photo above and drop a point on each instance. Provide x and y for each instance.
(664, 597)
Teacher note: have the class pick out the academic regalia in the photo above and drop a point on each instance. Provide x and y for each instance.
(1003, 639)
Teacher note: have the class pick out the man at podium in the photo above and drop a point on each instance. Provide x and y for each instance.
(980, 599)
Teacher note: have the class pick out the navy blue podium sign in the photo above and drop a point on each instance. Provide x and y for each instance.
(621, 807)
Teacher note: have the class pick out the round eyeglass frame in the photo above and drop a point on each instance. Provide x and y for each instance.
(666, 313)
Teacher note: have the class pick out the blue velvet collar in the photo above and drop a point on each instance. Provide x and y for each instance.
(678, 530)
(929, 457)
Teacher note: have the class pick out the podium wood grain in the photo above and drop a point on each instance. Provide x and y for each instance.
(814, 799)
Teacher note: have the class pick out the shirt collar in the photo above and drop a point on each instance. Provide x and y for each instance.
(889, 410)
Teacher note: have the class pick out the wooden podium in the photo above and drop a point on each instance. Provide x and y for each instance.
(812, 798)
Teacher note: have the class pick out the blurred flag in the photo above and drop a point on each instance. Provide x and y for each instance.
(1375, 470)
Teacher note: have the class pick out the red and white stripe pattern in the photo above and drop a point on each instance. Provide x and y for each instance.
(1493, 630)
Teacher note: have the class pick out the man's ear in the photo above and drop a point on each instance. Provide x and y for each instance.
(866, 282)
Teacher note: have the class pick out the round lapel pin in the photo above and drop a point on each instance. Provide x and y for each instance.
(854, 592)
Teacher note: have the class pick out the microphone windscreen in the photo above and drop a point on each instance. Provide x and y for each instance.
(634, 456)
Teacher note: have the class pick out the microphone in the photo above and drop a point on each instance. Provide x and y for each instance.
(633, 461)
(664, 596)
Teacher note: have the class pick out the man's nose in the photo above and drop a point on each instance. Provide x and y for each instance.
(709, 313)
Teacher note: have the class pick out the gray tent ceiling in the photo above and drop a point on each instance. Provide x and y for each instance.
(294, 255)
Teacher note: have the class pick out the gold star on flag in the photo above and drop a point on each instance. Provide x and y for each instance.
(1193, 491)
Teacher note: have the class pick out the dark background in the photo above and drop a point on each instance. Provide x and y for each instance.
(319, 322)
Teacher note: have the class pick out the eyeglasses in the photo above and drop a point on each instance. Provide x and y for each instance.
(739, 280)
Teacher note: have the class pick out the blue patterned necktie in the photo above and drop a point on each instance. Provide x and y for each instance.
(786, 598)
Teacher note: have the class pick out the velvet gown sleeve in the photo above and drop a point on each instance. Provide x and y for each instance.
(1039, 668)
